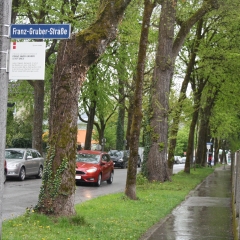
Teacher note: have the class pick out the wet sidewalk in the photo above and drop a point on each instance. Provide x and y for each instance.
(205, 214)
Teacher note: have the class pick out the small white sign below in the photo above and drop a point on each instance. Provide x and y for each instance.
(27, 61)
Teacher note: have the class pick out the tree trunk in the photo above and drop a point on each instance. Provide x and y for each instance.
(90, 123)
(216, 151)
(91, 111)
(73, 60)
(57, 193)
(129, 119)
(37, 131)
(197, 95)
(202, 139)
(191, 134)
(121, 116)
(163, 72)
(101, 129)
(130, 189)
(205, 114)
(224, 156)
(166, 55)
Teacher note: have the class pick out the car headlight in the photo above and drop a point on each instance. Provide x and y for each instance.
(12, 165)
(120, 160)
(91, 170)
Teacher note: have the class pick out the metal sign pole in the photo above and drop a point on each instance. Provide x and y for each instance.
(5, 20)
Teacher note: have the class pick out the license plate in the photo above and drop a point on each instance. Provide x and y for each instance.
(77, 177)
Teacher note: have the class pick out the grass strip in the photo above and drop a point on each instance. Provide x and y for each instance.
(109, 217)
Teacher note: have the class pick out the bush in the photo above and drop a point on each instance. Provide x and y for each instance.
(21, 143)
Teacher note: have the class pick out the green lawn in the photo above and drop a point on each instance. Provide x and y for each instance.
(109, 217)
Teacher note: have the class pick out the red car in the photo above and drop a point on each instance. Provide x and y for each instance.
(94, 167)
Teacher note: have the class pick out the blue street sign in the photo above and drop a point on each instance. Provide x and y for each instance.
(40, 31)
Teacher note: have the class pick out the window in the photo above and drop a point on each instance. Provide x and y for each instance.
(106, 158)
(28, 154)
(34, 154)
(38, 154)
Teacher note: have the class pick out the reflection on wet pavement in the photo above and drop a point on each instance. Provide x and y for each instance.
(206, 214)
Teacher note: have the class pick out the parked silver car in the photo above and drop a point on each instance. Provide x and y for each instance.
(23, 162)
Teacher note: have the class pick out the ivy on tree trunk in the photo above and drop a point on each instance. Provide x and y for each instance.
(74, 58)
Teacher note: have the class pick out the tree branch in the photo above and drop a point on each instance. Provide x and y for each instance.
(208, 5)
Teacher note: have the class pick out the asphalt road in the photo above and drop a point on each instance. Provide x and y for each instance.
(19, 195)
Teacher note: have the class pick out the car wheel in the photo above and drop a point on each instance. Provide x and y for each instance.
(40, 172)
(22, 174)
(110, 180)
(98, 183)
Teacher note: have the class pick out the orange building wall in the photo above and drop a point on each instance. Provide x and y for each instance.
(81, 137)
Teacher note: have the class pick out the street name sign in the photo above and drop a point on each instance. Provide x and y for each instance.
(27, 61)
(209, 144)
(40, 31)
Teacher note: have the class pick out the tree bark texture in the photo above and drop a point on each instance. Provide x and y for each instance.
(121, 116)
(38, 87)
(205, 113)
(190, 146)
(73, 60)
(101, 128)
(163, 72)
(129, 120)
(90, 105)
(90, 123)
(130, 189)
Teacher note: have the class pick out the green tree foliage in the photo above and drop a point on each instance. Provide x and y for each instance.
(19, 130)
(217, 65)
(78, 14)
(116, 69)
(182, 141)
(213, 76)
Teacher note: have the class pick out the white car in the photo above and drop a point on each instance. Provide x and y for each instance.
(177, 159)
(183, 159)
(23, 162)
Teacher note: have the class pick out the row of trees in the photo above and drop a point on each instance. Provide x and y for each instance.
(129, 77)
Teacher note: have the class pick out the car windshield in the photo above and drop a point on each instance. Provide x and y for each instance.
(119, 154)
(116, 153)
(14, 154)
(90, 158)
(113, 153)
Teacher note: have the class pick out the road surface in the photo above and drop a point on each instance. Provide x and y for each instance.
(19, 195)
